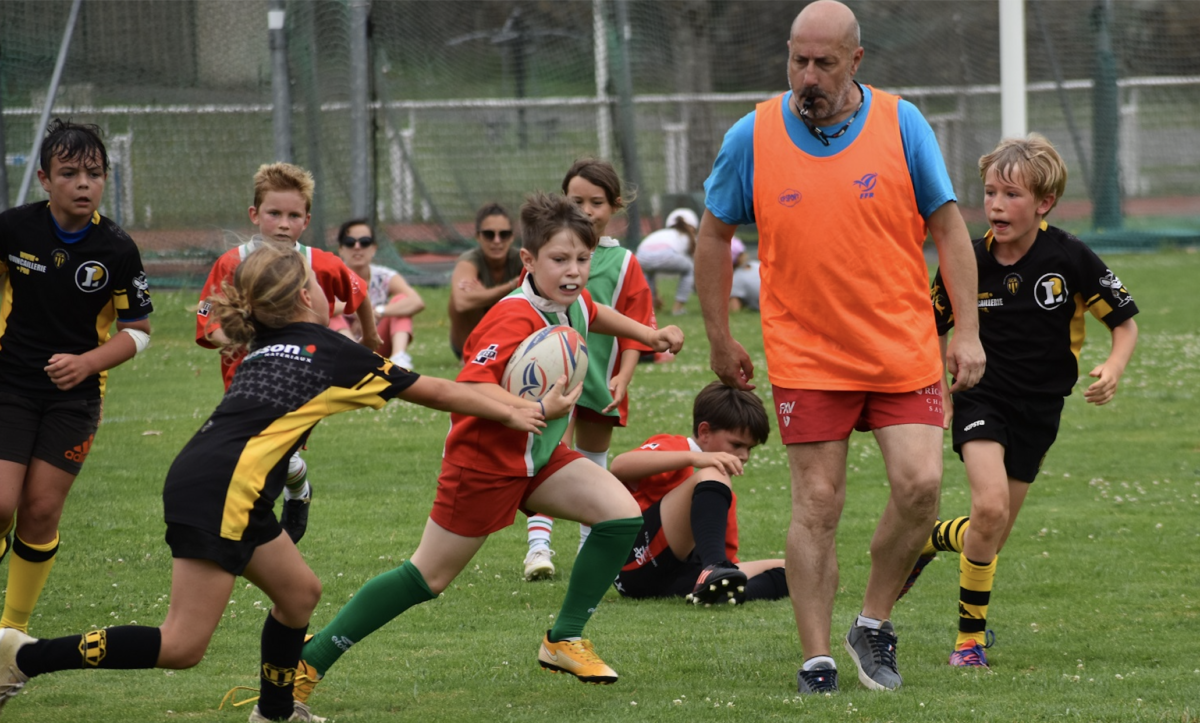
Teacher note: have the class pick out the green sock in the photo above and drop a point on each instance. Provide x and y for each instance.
(376, 603)
(595, 568)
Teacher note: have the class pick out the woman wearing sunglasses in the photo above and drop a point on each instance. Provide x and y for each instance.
(394, 300)
(483, 275)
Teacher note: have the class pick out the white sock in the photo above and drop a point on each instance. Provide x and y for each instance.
(584, 531)
(539, 528)
(296, 485)
(599, 458)
(817, 660)
(866, 622)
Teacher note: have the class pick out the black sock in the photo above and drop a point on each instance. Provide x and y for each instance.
(127, 647)
(769, 585)
(710, 516)
(281, 648)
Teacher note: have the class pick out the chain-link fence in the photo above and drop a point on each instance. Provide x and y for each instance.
(469, 102)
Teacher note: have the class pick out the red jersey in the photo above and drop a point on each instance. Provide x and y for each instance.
(334, 277)
(649, 490)
(487, 446)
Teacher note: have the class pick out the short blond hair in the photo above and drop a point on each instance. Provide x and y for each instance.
(283, 177)
(1042, 169)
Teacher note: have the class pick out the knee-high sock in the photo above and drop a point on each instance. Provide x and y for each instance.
(601, 459)
(947, 536)
(768, 585)
(281, 648)
(296, 484)
(127, 647)
(710, 518)
(595, 569)
(974, 594)
(28, 571)
(377, 603)
(539, 527)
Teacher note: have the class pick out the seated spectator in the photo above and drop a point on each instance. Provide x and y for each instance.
(395, 302)
(669, 250)
(743, 293)
(483, 275)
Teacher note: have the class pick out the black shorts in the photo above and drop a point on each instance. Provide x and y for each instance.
(58, 431)
(1026, 427)
(652, 570)
(190, 542)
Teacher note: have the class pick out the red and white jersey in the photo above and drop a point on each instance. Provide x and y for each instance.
(487, 446)
(334, 277)
(649, 490)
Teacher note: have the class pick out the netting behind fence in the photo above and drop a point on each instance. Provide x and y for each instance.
(479, 101)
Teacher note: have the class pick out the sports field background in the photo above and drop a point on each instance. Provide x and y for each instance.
(1095, 605)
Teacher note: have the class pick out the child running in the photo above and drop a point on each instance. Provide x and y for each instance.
(221, 488)
(615, 280)
(688, 543)
(283, 195)
(489, 472)
(68, 273)
(1035, 281)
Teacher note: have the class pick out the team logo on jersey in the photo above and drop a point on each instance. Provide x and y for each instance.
(785, 411)
(1051, 291)
(59, 257)
(143, 288)
(790, 197)
(486, 355)
(205, 307)
(650, 446)
(1110, 281)
(1012, 282)
(91, 276)
(93, 647)
(309, 350)
(866, 185)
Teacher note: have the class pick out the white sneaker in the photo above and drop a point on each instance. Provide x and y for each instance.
(538, 565)
(300, 712)
(12, 680)
(403, 359)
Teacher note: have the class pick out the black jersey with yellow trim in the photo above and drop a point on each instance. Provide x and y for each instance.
(292, 378)
(1031, 314)
(62, 298)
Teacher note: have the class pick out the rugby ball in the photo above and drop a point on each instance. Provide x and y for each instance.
(542, 358)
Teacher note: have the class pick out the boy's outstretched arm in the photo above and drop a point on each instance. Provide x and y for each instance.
(641, 463)
(448, 396)
(608, 321)
(556, 403)
(1108, 374)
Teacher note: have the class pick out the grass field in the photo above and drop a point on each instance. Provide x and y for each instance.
(1095, 606)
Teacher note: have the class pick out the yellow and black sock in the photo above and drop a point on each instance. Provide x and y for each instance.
(127, 647)
(974, 594)
(281, 648)
(4, 541)
(28, 571)
(947, 536)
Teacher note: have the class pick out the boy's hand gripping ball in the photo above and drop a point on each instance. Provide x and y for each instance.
(542, 358)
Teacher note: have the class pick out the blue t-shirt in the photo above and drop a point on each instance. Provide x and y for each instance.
(729, 190)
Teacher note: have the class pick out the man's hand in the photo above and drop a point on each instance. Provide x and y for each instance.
(732, 365)
(965, 361)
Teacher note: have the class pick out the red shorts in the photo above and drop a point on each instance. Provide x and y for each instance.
(471, 503)
(809, 415)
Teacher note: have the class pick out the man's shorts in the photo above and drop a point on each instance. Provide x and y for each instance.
(652, 570)
(58, 431)
(471, 503)
(1026, 427)
(187, 542)
(811, 415)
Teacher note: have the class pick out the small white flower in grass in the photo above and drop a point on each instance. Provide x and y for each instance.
(1045, 553)
(633, 702)
(677, 702)
(1120, 677)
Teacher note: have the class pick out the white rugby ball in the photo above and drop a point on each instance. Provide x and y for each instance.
(542, 358)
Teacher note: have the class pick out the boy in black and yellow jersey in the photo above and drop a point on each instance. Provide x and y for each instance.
(68, 273)
(221, 489)
(1035, 282)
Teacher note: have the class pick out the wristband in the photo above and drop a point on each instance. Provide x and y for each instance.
(543, 406)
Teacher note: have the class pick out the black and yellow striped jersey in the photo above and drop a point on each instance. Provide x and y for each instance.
(292, 378)
(1031, 319)
(62, 298)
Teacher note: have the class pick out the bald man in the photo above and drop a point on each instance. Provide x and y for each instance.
(844, 182)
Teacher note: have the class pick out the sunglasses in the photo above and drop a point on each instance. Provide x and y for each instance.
(490, 235)
(351, 242)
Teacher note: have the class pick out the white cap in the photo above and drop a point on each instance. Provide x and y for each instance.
(687, 215)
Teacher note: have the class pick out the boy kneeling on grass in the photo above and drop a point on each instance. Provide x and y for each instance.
(1035, 281)
(688, 543)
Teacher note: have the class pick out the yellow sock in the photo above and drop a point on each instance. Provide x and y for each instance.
(947, 536)
(4, 536)
(974, 593)
(28, 571)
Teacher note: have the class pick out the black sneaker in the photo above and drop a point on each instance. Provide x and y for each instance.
(874, 653)
(294, 519)
(821, 679)
(721, 582)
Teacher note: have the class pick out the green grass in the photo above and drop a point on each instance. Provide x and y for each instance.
(1095, 606)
